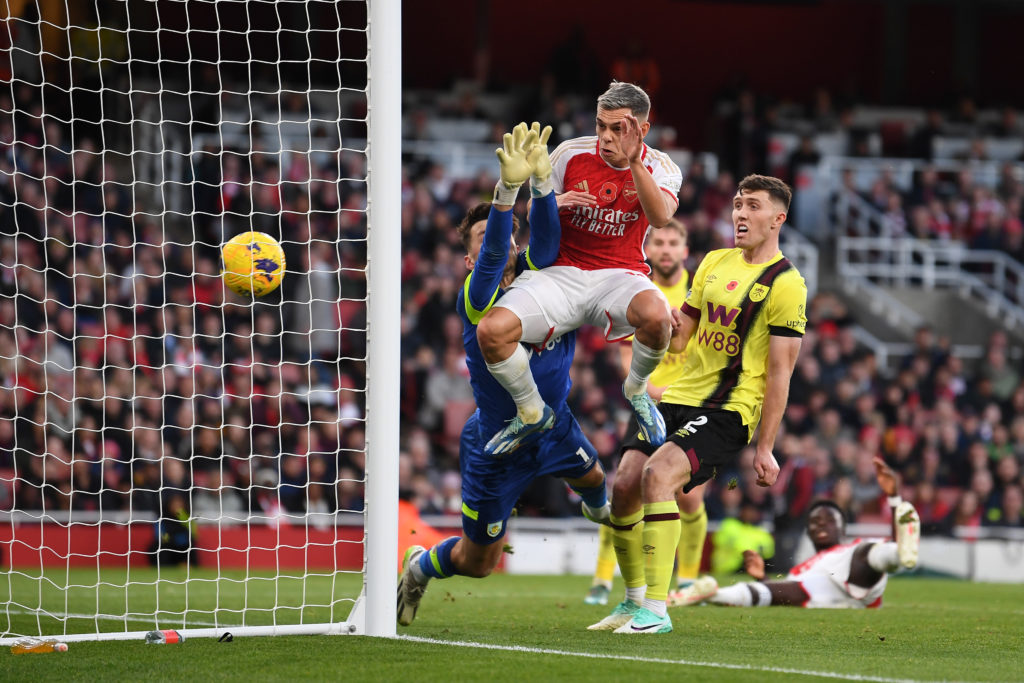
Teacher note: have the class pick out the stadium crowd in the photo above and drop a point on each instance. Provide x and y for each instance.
(128, 376)
(125, 370)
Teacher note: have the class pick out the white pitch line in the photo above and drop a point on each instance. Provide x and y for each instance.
(655, 660)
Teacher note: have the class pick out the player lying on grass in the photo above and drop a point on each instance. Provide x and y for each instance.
(841, 574)
(491, 485)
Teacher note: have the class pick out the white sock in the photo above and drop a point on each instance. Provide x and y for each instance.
(737, 595)
(883, 557)
(417, 572)
(657, 606)
(742, 595)
(636, 594)
(762, 595)
(645, 359)
(514, 374)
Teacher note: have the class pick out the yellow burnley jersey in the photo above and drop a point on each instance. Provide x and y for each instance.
(740, 305)
(671, 364)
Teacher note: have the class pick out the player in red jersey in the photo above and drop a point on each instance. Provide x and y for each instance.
(841, 574)
(613, 187)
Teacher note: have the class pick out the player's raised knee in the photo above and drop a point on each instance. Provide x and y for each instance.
(498, 328)
(650, 314)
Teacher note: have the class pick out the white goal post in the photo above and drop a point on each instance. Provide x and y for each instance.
(172, 455)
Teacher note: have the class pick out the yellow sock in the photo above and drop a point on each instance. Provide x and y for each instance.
(606, 561)
(628, 540)
(660, 538)
(691, 543)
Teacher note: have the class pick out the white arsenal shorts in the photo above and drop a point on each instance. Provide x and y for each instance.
(559, 299)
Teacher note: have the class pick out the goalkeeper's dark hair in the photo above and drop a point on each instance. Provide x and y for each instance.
(776, 189)
(621, 95)
(475, 215)
(831, 505)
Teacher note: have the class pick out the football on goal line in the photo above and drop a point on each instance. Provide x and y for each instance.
(253, 264)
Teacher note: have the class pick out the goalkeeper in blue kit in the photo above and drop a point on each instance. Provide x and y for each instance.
(491, 485)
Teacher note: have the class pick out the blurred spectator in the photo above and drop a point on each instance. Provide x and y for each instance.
(349, 491)
(806, 154)
(921, 141)
(866, 494)
(176, 535)
(446, 384)
(793, 492)
(932, 509)
(1009, 513)
(218, 497)
(737, 534)
(966, 516)
(292, 483)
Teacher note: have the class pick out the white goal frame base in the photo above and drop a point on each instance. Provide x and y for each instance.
(355, 625)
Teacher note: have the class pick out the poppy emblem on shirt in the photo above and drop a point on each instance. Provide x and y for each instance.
(732, 285)
(629, 191)
(608, 192)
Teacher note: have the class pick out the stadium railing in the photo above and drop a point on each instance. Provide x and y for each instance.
(804, 255)
(992, 279)
(890, 354)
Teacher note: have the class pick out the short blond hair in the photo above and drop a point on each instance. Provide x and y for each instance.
(677, 225)
(621, 95)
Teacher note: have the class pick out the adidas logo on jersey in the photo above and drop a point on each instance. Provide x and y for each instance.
(582, 186)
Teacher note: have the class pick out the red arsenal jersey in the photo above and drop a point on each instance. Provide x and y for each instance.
(611, 234)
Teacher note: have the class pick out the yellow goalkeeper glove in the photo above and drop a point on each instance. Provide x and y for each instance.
(515, 166)
(540, 180)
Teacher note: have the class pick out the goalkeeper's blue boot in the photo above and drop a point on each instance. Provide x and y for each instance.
(622, 614)
(652, 424)
(646, 621)
(410, 591)
(518, 433)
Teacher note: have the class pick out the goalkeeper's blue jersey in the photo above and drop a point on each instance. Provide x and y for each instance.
(550, 364)
(550, 368)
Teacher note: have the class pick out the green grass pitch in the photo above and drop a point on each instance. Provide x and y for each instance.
(524, 628)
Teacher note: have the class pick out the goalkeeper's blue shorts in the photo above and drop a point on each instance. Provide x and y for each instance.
(491, 486)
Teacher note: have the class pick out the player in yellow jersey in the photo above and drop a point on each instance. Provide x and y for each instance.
(742, 325)
(666, 250)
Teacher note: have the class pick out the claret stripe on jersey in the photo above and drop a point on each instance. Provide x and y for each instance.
(730, 376)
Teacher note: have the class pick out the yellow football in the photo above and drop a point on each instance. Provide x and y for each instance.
(253, 264)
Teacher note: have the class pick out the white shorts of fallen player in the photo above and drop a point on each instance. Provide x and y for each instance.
(560, 299)
(829, 591)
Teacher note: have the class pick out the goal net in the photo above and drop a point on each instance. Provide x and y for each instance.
(173, 455)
